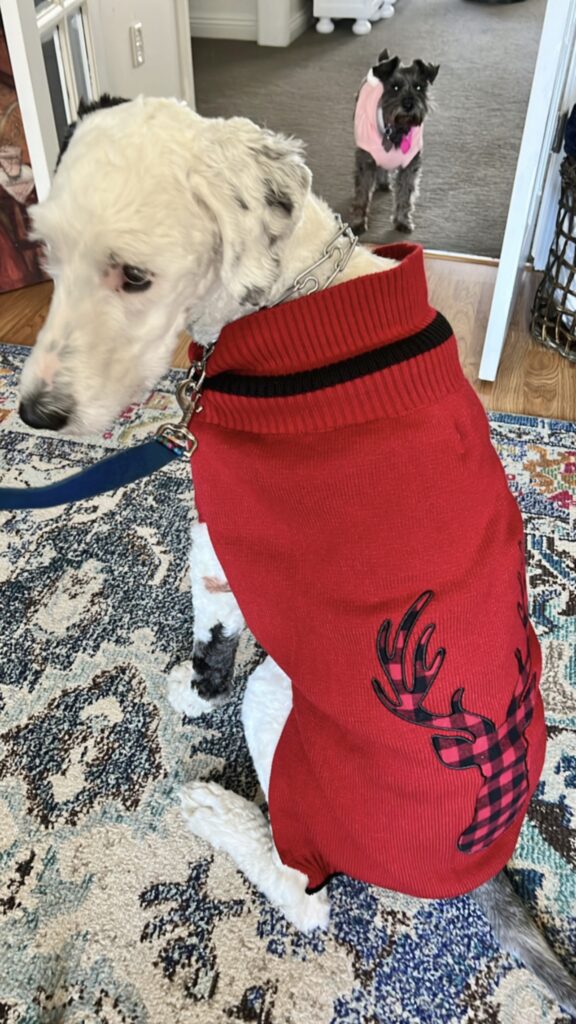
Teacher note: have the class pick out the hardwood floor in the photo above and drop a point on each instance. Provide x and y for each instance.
(531, 380)
(22, 313)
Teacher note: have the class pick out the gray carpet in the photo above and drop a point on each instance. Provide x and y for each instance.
(487, 55)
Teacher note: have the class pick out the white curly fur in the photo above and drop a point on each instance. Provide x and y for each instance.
(151, 184)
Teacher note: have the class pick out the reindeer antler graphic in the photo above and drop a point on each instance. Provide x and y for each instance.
(409, 696)
(499, 753)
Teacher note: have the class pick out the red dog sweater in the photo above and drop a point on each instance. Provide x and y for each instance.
(365, 525)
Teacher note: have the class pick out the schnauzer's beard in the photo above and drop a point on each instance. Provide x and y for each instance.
(403, 119)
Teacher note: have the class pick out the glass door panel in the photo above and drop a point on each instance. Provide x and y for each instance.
(80, 53)
(52, 51)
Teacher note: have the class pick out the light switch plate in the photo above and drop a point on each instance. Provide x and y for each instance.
(137, 44)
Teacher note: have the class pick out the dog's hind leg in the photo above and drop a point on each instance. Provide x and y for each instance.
(238, 827)
(197, 686)
(405, 194)
(364, 185)
(518, 934)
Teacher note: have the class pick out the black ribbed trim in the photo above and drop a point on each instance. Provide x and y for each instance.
(287, 385)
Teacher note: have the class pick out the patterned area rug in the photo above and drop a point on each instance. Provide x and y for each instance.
(109, 910)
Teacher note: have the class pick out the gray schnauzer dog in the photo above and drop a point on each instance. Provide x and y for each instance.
(388, 126)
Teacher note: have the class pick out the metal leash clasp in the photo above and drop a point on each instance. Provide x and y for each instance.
(178, 436)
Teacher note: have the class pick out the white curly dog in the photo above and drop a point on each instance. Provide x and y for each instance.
(160, 220)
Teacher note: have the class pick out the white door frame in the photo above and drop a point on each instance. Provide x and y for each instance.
(32, 89)
(550, 73)
(548, 213)
(182, 9)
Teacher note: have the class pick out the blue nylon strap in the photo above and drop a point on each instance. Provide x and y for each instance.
(117, 470)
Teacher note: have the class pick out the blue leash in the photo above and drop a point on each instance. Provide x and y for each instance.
(115, 471)
(172, 441)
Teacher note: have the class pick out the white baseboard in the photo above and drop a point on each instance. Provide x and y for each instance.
(223, 26)
(243, 26)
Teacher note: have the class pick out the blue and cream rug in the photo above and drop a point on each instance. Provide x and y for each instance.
(109, 910)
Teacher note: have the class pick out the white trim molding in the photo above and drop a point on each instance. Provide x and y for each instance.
(268, 24)
(215, 25)
(185, 52)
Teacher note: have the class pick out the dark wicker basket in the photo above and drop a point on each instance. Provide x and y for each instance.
(553, 321)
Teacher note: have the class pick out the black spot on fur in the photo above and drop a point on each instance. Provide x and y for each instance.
(104, 101)
(84, 109)
(240, 201)
(270, 152)
(237, 256)
(253, 296)
(279, 200)
(213, 664)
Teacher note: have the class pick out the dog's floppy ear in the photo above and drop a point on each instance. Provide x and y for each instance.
(256, 193)
(428, 71)
(386, 68)
(84, 108)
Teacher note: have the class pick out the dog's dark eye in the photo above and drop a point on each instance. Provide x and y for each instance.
(396, 88)
(418, 88)
(135, 279)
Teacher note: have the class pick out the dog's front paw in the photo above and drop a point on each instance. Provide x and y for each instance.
(182, 695)
(224, 819)
(237, 827)
(307, 912)
(406, 227)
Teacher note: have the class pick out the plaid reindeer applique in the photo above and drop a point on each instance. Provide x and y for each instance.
(498, 751)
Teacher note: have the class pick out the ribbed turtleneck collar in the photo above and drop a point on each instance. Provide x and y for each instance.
(330, 325)
(369, 348)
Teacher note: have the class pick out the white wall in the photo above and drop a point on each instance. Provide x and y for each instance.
(167, 70)
(269, 22)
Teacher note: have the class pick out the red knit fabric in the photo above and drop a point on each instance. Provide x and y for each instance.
(368, 533)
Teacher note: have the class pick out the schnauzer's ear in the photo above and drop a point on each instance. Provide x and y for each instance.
(428, 71)
(386, 68)
(257, 195)
(383, 56)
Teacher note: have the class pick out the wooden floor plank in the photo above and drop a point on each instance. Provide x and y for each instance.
(22, 313)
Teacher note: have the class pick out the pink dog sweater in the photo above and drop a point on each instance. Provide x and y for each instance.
(368, 133)
(345, 472)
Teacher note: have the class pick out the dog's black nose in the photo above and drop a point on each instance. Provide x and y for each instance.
(408, 103)
(39, 416)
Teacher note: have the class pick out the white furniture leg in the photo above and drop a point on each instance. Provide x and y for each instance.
(325, 26)
(362, 27)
